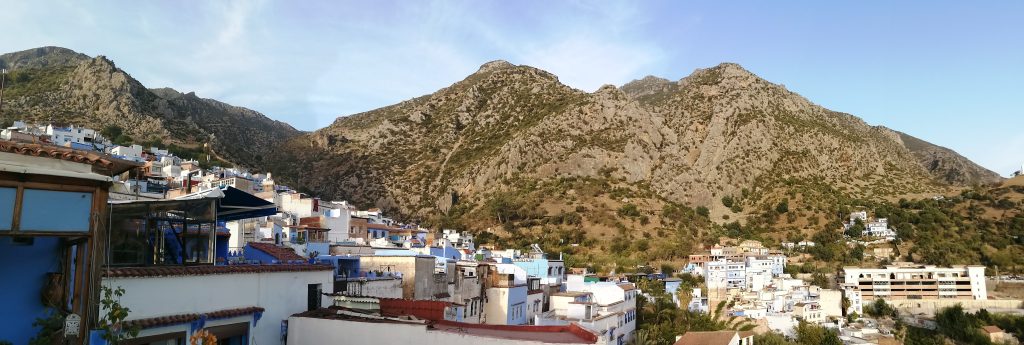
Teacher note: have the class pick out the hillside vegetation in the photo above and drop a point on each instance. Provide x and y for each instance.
(641, 173)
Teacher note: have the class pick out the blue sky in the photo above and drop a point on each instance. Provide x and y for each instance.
(947, 72)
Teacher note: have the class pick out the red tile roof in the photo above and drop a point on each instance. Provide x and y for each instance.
(185, 318)
(279, 253)
(102, 164)
(168, 271)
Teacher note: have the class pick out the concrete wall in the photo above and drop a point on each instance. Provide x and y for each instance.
(534, 306)
(417, 274)
(280, 293)
(383, 288)
(930, 306)
(499, 309)
(831, 302)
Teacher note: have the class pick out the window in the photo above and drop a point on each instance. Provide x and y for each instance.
(7, 196)
(38, 207)
(313, 296)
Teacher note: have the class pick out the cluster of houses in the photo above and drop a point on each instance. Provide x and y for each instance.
(231, 255)
(749, 278)
(242, 259)
(877, 229)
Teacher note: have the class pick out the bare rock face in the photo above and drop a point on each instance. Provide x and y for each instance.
(714, 133)
(42, 57)
(59, 85)
(947, 165)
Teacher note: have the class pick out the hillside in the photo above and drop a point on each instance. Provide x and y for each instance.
(58, 85)
(512, 149)
(948, 165)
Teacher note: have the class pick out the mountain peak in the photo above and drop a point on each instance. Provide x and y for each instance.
(494, 66)
(645, 86)
(42, 57)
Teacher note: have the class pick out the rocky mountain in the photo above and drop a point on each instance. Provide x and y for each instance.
(58, 85)
(948, 165)
(41, 58)
(720, 132)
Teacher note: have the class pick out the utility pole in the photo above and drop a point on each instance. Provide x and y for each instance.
(3, 77)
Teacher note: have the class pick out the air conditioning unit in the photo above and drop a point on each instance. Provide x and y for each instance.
(469, 273)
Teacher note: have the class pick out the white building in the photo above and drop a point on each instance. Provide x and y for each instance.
(462, 240)
(337, 216)
(233, 302)
(130, 152)
(879, 228)
(616, 299)
(506, 296)
(725, 274)
(909, 281)
(859, 215)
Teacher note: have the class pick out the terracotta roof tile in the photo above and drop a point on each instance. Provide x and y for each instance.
(168, 271)
(101, 163)
(169, 320)
(279, 253)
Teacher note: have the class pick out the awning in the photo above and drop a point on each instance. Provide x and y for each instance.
(234, 204)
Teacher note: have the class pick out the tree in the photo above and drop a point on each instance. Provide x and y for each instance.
(771, 338)
(880, 309)
(783, 206)
(855, 230)
(703, 211)
(820, 279)
(667, 269)
(954, 323)
(727, 201)
(629, 210)
(810, 334)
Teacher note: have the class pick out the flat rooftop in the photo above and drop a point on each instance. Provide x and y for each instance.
(570, 334)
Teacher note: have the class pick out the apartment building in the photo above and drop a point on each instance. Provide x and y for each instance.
(910, 281)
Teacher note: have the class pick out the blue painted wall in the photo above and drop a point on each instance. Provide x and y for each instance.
(23, 269)
(256, 254)
(222, 246)
(446, 252)
(516, 296)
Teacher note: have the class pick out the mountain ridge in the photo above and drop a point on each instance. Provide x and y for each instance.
(53, 84)
(491, 119)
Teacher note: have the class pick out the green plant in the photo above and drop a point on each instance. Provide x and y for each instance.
(783, 206)
(113, 324)
(50, 327)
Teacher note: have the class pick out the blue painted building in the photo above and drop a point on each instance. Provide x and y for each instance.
(50, 243)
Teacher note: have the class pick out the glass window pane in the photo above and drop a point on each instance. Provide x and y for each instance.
(56, 211)
(7, 196)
